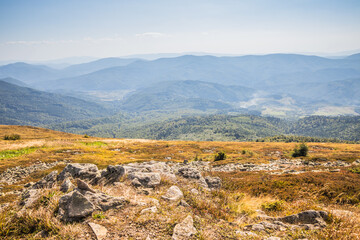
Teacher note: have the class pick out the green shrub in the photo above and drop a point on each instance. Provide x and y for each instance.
(12, 137)
(99, 215)
(220, 156)
(302, 151)
(355, 170)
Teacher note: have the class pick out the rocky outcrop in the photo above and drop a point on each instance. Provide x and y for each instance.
(13, 175)
(47, 182)
(173, 194)
(185, 229)
(149, 180)
(80, 170)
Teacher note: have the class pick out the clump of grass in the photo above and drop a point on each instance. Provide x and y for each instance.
(99, 215)
(86, 136)
(355, 170)
(220, 156)
(276, 206)
(12, 137)
(15, 153)
(96, 144)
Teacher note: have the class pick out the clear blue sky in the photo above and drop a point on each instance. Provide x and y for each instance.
(50, 29)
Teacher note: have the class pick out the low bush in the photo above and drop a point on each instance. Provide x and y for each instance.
(302, 151)
(220, 156)
(12, 137)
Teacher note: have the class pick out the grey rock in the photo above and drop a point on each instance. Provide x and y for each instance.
(189, 172)
(112, 174)
(83, 186)
(136, 183)
(47, 182)
(273, 238)
(149, 180)
(29, 197)
(173, 194)
(66, 185)
(194, 191)
(80, 170)
(213, 182)
(104, 202)
(74, 206)
(185, 229)
(307, 217)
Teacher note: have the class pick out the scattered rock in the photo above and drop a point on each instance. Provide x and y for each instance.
(273, 238)
(149, 180)
(104, 202)
(47, 182)
(246, 234)
(213, 182)
(74, 206)
(173, 194)
(80, 170)
(99, 231)
(185, 229)
(189, 172)
(66, 185)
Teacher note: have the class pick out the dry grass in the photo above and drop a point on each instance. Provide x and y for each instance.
(217, 214)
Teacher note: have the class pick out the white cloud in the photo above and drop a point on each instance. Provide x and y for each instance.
(151, 35)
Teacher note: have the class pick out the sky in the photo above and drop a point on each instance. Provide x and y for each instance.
(53, 29)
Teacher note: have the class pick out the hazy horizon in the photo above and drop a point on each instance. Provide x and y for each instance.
(45, 30)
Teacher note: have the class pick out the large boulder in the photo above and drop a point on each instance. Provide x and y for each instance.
(307, 217)
(47, 182)
(75, 206)
(184, 230)
(149, 180)
(189, 172)
(80, 170)
(112, 174)
(173, 194)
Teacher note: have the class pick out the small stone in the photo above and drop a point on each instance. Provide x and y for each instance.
(185, 229)
(173, 194)
(194, 191)
(99, 231)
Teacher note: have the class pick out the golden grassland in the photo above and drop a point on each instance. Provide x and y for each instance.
(220, 212)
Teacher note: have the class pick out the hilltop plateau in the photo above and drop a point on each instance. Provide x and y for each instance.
(57, 185)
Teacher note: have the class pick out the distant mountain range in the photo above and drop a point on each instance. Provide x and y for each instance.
(280, 85)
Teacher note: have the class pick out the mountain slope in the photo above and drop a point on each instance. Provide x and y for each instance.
(20, 105)
(186, 94)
